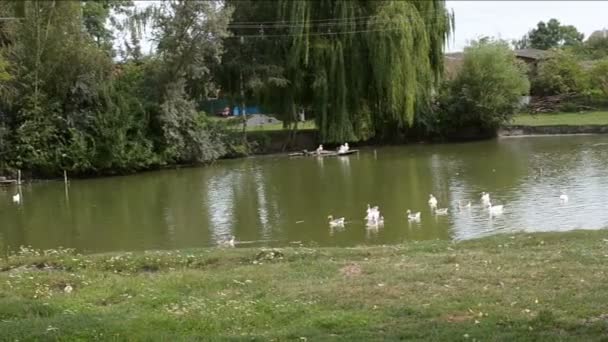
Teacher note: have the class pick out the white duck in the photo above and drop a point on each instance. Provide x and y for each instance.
(374, 219)
(339, 222)
(17, 198)
(413, 216)
(368, 212)
(432, 201)
(495, 209)
(228, 243)
(485, 198)
(563, 198)
(441, 211)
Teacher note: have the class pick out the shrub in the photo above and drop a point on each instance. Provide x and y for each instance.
(487, 90)
(599, 76)
(559, 74)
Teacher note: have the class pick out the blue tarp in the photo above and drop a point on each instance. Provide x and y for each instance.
(249, 110)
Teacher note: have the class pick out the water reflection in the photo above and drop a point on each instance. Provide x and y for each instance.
(220, 204)
(275, 200)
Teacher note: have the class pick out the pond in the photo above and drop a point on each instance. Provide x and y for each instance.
(279, 201)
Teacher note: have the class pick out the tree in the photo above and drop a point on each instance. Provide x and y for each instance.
(599, 76)
(596, 46)
(559, 74)
(550, 35)
(189, 36)
(487, 89)
(69, 106)
(363, 67)
(251, 64)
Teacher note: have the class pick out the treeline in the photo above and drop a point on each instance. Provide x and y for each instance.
(79, 94)
(574, 68)
(72, 101)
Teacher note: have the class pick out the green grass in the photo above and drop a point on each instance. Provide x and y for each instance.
(541, 287)
(570, 119)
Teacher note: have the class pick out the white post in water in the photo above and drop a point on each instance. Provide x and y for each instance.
(65, 182)
(18, 177)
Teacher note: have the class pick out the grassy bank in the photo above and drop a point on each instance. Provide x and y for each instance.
(523, 287)
(568, 119)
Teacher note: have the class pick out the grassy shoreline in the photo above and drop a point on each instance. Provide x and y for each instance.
(522, 287)
(593, 118)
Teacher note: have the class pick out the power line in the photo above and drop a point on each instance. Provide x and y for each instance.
(310, 34)
(338, 26)
(327, 20)
(299, 21)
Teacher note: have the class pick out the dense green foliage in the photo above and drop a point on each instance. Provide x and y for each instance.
(595, 47)
(487, 89)
(67, 104)
(79, 95)
(559, 74)
(361, 68)
(551, 34)
(599, 76)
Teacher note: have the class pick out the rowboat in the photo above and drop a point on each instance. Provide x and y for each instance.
(322, 153)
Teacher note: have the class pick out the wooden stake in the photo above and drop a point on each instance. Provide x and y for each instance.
(18, 177)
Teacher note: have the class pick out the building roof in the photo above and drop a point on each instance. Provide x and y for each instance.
(531, 53)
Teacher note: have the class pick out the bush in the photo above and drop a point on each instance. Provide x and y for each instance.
(599, 76)
(560, 74)
(486, 91)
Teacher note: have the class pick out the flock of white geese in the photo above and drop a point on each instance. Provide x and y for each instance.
(374, 219)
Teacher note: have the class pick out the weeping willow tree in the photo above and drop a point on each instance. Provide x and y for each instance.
(365, 67)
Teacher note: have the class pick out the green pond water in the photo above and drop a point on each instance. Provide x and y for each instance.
(279, 201)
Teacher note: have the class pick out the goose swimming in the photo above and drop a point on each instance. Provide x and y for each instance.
(339, 222)
(432, 201)
(495, 209)
(413, 216)
(441, 211)
(485, 198)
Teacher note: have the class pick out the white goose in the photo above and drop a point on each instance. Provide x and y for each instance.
(228, 243)
(563, 198)
(339, 222)
(413, 216)
(432, 201)
(485, 198)
(17, 198)
(495, 209)
(374, 219)
(441, 211)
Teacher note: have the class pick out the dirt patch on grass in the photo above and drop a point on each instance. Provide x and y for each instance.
(351, 270)
(459, 317)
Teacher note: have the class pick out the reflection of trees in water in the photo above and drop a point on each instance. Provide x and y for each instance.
(262, 204)
(221, 203)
